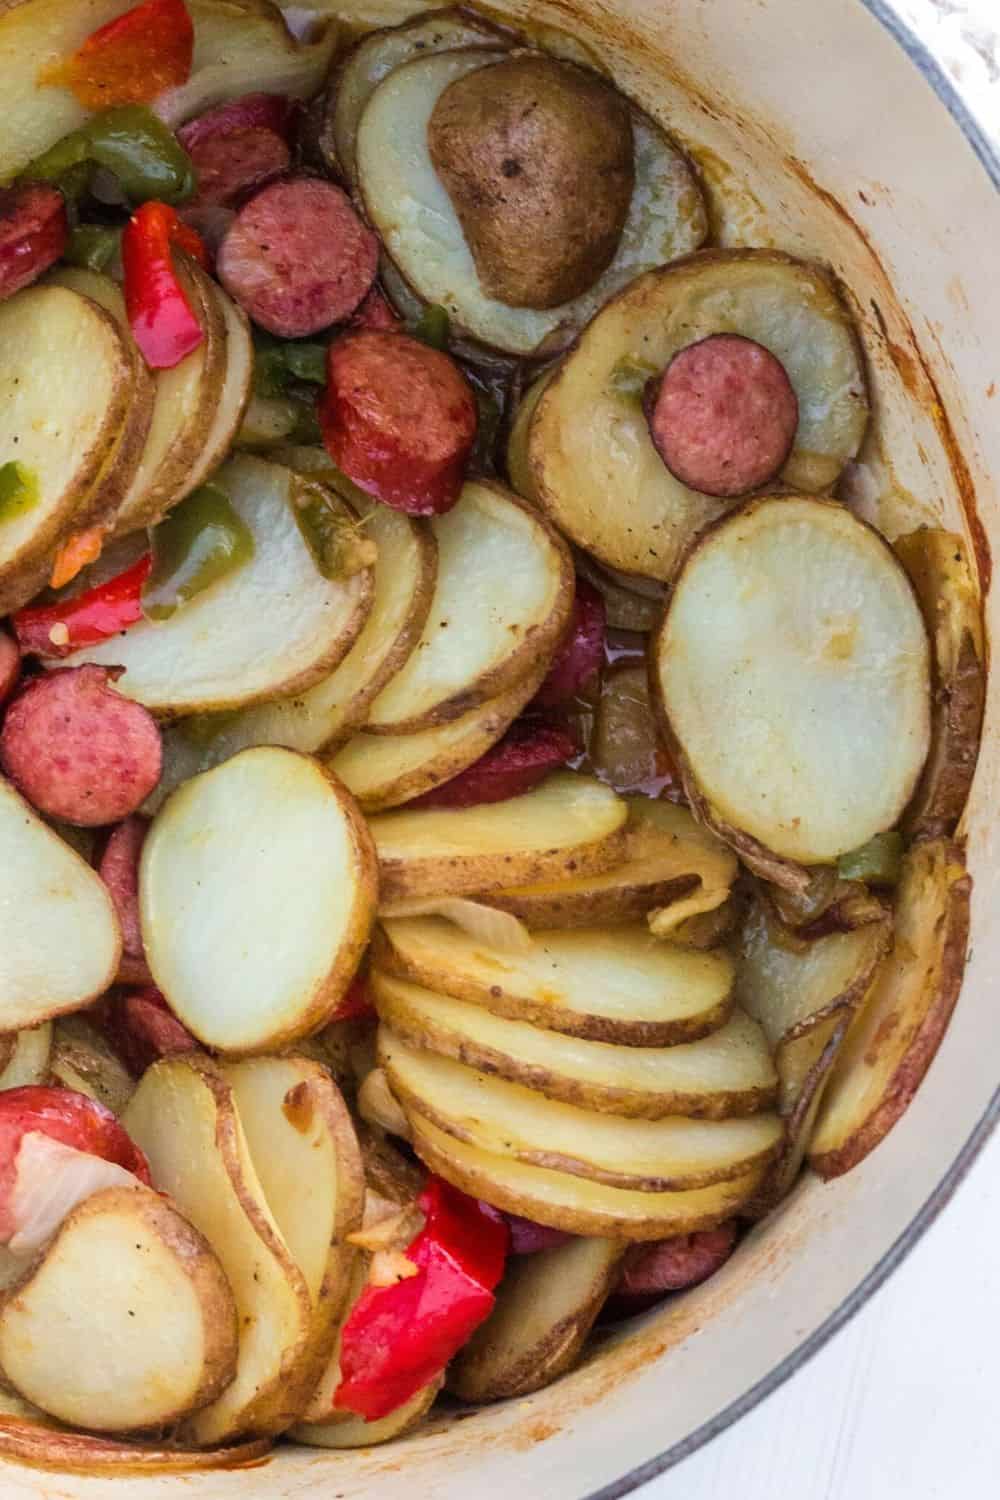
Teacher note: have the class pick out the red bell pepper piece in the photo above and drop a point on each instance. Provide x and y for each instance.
(130, 60)
(60, 629)
(399, 1338)
(161, 317)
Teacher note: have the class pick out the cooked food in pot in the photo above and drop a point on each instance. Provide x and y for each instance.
(480, 810)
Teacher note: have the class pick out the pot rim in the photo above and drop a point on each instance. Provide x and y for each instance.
(988, 155)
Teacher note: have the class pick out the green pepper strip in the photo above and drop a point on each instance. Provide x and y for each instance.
(18, 490)
(877, 862)
(129, 141)
(433, 327)
(200, 542)
(93, 246)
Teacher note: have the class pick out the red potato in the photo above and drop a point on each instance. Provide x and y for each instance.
(249, 112)
(10, 666)
(77, 750)
(399, 419)
(142, 1028)
(581, 655)
(297, 257)
(652, 1271)
(119, 869)
(517, 763)
(33, 234)
(723, 415)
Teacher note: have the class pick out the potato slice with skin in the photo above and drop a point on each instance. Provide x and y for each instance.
(188, 400)
(619, 985)
(410, 207)
(668, 856)
(27, 1440)
(728, 1073)
(378, 55)
(324, 715)
(575, 1203)
(29, 1060)
(502, 603)
(586, 439)
(257, 888)
(938, 567)
(148, 1341)
(569, 825)
(184, 1117)
(895, 1035)
(805, 1067)
(355, 1432)
(385, 771)
(793, 623)
(234, 393)
(61, 940)
(306, 1155)
(81, 1059)
(506, 1119)
(546, 1306)
(67, 391)
(272, 626)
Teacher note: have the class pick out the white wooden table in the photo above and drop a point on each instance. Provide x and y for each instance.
(903, 1403)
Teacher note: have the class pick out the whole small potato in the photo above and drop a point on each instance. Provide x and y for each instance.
(536, 155)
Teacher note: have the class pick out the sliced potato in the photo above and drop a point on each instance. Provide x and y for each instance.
(412, 211)
(387, 770)
(374, 58)
(66, 391)
(568, 825)
(184, 1117)
(668, 856)
(727, 1073)
(188, 401)
(790, 985)
(306, 1155)
(617, 985)
(587, 440)
(506, 1119)
(502, 602)
(145, 1342)
(793, 622)
(81, 1059)
(355, 1432)
(324, 715)
(805, 1067)
(272, 626)
(29, 1060)
(938, 567)
(257, 891)
(577, 1204)
(61, 939)
(242, 46)
(546, 1307)
(234, 394)
(894, 1037)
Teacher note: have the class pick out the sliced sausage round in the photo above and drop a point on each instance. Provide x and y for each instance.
(517, 763)
(142, 1028)
(298, 258)
(119, 869)
(229, 166)
(10, 665)
(33, 234)
(248, 112)
(79, 751)
(399, 419)
(671, 1265)
(723, 415)
(581, 655)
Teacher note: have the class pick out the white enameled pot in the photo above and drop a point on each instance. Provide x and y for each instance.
(825, 121)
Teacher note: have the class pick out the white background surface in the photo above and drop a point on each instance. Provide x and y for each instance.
(904, 1403)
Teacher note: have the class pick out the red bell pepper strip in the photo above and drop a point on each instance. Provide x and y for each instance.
(60, 629)
(131, 60)
(399, 1338)
(161, 317)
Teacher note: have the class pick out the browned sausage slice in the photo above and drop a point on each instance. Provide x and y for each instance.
(10, 665)
(142, 1028)
(77, 750)
(119, 869)
(230, 165)
(671, 1265)
(399, 419)
(33, 234)
(723, 415)
(298, 258)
